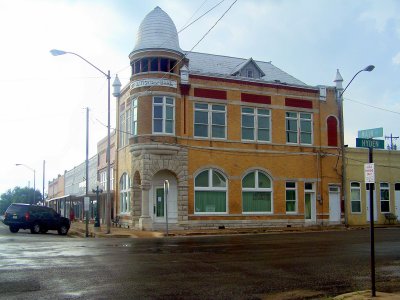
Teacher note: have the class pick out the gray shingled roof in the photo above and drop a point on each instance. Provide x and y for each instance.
(218, 65)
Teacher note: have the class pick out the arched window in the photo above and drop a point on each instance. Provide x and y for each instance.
(257, 193)
(124, 194)
(210, 188)
(332, 131)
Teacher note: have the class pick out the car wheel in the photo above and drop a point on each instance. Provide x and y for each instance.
(36, 228)
(43, 230)
(14, 229)
(63, 230)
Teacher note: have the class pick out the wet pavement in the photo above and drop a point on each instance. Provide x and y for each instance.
(305, 265)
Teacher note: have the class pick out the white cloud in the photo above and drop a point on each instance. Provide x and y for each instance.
(396, 59)
(381, 13)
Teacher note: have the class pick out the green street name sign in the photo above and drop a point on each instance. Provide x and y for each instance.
(370, 143)
(370, 133)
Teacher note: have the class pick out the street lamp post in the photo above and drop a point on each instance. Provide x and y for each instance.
(340, 91)
(34, 179)
(56, 52)
(98, 191)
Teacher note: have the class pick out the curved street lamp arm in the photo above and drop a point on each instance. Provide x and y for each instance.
(28, 167)
(368, 69)
(105, 74)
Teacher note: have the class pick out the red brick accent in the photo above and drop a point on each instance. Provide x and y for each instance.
(256, 98)
(207, 93)
(298, 103)
(237, 81)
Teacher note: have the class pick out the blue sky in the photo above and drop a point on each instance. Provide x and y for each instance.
(42, 115)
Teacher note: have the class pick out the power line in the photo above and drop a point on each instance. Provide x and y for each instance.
(185, 27)
(212, 27)
(212, 8)
(373, 106)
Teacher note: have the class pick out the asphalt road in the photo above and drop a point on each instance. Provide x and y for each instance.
(261, 266)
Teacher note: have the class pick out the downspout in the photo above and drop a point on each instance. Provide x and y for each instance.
(319, 170)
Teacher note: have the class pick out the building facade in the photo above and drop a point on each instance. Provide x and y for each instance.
(102, 174)
(237, 142)
(56, 187)
(69, 203)
(386, 191)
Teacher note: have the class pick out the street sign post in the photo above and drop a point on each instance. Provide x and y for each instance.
(370, 143)
(370, 133)
(365, 140)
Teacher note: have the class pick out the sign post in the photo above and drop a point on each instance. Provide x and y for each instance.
(365, 140)
(370, 179)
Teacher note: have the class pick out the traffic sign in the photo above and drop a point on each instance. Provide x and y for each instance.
(370, 143)
(369, 173)
(370, 133)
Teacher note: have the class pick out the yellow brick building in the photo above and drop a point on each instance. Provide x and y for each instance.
(386, 192)
(238, 142)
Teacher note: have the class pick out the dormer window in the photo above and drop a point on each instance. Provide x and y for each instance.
(249, 69)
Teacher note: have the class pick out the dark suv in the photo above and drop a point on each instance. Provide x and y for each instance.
(39, 219)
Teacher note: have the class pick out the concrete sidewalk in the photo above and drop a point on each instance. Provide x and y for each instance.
(367, 295)
(78, 229)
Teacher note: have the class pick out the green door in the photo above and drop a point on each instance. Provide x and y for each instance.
(159, 207)
(307, 206)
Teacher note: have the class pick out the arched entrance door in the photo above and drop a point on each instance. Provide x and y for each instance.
(157, 201)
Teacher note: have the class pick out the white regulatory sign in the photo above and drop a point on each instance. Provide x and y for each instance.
(369, 173)
(86, 201)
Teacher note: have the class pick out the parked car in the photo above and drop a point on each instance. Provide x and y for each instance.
(39, 219)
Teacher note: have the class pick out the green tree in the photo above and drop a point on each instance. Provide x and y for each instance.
(19, 195)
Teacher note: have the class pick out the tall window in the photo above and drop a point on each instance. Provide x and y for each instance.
(210, 120)
(210, 188)
(299, 128)
(291, 197)
(385, 198)
(332, 131)
(128, 126)
(111, 179)
(257, 193)
(163, 115)
(134, 116)
(103, 180)
(122, 127)
(256, 124)
(125, 194)
(355, 194)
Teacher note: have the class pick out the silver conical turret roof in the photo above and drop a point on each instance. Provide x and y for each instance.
(157, 31)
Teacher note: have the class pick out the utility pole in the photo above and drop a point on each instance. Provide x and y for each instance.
(391, 146)
(44, 171)
(87, 172)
